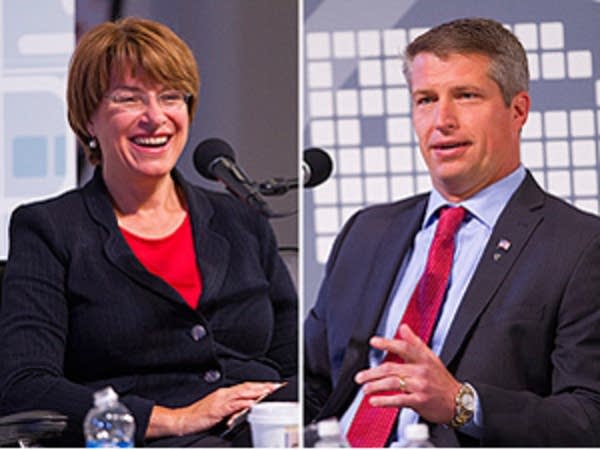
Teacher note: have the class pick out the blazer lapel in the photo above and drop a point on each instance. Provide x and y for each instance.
(213, 251)
(513, 229)
(115, 247)
(394, 243)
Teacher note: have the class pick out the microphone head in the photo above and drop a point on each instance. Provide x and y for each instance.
(319, 164)
(207, 152)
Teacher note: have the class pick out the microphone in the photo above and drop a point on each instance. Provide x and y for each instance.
(316, 168)
(214, 159)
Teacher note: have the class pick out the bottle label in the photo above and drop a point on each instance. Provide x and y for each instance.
(104, 444)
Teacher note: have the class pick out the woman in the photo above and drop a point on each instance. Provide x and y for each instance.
(173, 295)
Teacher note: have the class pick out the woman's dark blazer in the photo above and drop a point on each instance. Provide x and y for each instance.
(79, 311)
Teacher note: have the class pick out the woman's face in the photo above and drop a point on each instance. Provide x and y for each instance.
(141, 128)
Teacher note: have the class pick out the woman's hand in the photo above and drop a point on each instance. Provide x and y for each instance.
(208, 411)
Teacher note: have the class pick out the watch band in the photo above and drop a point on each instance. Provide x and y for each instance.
(465, 406)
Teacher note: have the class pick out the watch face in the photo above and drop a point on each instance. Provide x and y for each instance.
(468, 401)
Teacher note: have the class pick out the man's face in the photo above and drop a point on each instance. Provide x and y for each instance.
(468, 137)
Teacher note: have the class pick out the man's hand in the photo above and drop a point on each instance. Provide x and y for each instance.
(422, 381)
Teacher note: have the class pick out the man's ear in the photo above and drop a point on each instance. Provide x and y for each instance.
(520, 105)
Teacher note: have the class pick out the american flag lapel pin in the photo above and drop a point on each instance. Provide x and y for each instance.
(504, 245)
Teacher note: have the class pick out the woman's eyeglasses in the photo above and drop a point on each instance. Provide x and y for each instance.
(135, 101)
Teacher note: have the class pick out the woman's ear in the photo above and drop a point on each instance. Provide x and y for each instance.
(90, 129)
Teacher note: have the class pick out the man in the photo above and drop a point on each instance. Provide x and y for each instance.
(513, 354)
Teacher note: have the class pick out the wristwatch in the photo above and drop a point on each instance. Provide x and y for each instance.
(465, 406)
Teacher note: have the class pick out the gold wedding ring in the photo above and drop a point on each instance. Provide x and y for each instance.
(402, 382)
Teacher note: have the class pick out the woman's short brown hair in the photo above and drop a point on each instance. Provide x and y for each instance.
(140, 45)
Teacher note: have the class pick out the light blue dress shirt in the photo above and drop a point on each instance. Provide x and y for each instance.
(483, 210)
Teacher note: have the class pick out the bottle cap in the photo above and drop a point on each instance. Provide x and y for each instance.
(105, 397)
(416, 432)
(328, 427)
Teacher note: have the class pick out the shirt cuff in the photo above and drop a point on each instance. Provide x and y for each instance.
(474, 427)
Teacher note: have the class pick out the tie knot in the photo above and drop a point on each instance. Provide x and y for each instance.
(450, 219)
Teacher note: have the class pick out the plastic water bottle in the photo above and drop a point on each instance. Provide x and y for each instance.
(109, 423)
(416, 435)
(330, 434)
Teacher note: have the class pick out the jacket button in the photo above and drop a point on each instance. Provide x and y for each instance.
(212, 376)
(198, 332)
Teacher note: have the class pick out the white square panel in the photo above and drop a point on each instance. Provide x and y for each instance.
(597, 92)
(347, 102)
(327, 220)
(552, 35)
(582, 123)
(377, 190)
(589, 205)
(553, 65)
(375, 160)
(420, 162)
(579, 64)
(344, 45)
(532, 154)
(349, 211)
(326, 193)
(397, 101)
(584, 152)
(527, 34)
(349, 161)
(348, 132)
(318, 46)
(402, 186)
(321, 103)
(369, 72)
(351, 190)
(557, 153)
(322, 133)
(324, 244)
(398, 130)
(555, 124)
(371, 101)
(585, 182)
(533, 127)
(539, 176)
(533, 62)
(401, 159)
(423, 183)
(369, 43)
(559, 182)
(393, 72)
(394, 42)
(320, 75)
(414, 33)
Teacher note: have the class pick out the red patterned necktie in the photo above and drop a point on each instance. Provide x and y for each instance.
(371, 426)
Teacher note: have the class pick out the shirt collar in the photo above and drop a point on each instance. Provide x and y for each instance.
(486, 205)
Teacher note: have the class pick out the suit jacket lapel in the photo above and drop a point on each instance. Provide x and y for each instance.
(392, 247)
(515, 225)
(213, 250)
(116, 249)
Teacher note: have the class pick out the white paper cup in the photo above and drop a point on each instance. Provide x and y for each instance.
(275, 424)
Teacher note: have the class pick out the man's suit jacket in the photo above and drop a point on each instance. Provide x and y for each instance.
(526, 335)
(79, 311)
